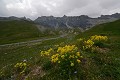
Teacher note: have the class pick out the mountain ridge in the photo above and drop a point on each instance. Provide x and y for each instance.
(67, 22)
(82, 21)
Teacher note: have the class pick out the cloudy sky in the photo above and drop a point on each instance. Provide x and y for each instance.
(35, 8)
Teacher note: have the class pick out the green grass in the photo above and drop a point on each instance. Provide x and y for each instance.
(108, 29)
(16, 31)
(98, 66)
(19, 31)
(9, 56)
(104, 66)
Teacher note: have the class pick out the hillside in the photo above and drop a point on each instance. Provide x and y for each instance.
(15, 31)
(102, 64)
(110, 29)
(21, 30)
(105, 66)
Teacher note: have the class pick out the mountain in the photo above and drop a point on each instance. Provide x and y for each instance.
(63, 22)
(82, 21)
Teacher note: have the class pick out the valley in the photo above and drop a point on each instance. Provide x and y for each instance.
(22, 42)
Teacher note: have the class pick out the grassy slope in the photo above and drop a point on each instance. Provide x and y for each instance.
(18, 31)
(15, 31)
(100, 66)
(110, 29)
(104, 66)
(9, 56)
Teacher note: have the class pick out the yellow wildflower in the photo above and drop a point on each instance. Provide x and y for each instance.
(66, 49)
(78, 54)
(54, 58)
(78, 61)
(99, 38)
(46, 53)
(71, 56)
(62, 56)
(72, 64)
(24, 64)
(88, 44)
(58, 61)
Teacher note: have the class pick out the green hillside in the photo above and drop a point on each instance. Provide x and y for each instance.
(21, 30)
(105, 66)
(15, 31)
(101, 64)
(110, 29)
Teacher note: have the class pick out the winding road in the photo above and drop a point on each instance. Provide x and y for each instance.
(33, 41)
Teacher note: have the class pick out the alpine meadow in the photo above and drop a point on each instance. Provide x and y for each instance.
(81, 41)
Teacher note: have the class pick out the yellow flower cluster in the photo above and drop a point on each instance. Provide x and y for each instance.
(99, 38)
(72, 64)
(88, 44)
(46, 53)
(66, 49)
(54, 58)
(67, 54)
(21, 66)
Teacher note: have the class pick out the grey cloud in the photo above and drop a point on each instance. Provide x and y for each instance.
(3, 10)
(35, 8)
(109, 3)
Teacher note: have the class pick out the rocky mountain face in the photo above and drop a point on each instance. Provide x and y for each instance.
(82, 21)
(63, 22)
